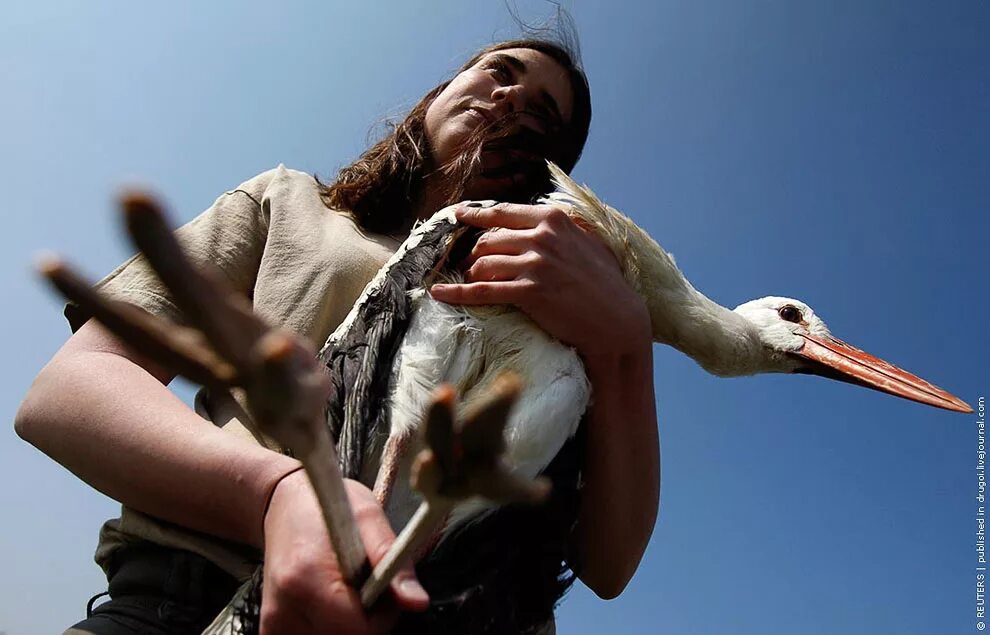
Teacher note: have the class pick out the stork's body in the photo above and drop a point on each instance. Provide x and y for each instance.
(467, 348)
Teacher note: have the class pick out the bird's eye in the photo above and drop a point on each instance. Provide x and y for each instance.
(790, 313)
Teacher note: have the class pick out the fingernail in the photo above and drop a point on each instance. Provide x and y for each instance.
(413, 591)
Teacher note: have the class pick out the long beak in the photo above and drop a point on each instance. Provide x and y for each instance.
(833, 358)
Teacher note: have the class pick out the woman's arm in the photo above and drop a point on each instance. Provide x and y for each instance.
(105, 414)
(570, 284)
(621, 492)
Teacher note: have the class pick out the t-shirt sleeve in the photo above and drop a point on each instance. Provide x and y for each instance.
(230, 235)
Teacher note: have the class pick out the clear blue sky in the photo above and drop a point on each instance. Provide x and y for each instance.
(835, 151)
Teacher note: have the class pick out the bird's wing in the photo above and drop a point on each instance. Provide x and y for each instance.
(359, 354)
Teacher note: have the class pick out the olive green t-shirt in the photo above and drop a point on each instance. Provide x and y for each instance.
(301, 264)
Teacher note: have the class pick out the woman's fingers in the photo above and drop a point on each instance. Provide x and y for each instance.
(505, 265)
(511, 215)
(378, 536)
(519, 229)
(553, 268)
(304, 589)
(512, 242)
(509, 292)
(500, 267)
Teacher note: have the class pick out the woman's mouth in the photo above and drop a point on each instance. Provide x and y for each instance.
(483, 116)
(510, 164)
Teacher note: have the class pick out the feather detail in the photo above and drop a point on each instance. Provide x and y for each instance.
(469, 349)
(359, 354)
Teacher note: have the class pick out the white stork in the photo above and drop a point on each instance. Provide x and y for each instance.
(469, 346)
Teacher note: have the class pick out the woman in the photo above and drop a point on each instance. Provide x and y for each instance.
(200, 500)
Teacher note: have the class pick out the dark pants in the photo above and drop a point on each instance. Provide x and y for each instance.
(159, 591)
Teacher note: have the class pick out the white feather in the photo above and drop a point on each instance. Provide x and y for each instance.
(469, 348)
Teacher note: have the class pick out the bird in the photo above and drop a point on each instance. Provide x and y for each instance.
(398, 343)
(432, 343)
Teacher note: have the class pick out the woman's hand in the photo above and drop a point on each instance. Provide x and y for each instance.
(304, 592)
(558, 273)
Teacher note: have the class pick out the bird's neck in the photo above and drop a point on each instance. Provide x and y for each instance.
(721, 341)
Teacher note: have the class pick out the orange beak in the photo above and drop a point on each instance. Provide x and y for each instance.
(833, 358)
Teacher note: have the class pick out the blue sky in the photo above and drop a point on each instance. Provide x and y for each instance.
(836, 152)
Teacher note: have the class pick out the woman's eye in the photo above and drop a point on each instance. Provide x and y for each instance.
(499, 71)
(549, 120)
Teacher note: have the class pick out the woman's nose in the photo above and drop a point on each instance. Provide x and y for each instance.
(509, 98)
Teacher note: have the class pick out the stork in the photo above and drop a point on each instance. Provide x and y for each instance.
(469, 347)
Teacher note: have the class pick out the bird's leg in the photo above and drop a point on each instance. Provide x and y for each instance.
(393, 455)
(285, 385)
(393, 458)
(458, 463)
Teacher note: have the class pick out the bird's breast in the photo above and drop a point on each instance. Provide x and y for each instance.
(469, 348)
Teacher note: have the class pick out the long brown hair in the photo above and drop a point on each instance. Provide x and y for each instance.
(381, 187)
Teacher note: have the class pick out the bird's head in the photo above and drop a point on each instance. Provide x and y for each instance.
(781, 325)
(795, 340)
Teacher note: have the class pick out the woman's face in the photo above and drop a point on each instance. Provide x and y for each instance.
(521, 82)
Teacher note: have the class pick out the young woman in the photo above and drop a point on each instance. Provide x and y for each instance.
(202, 501)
